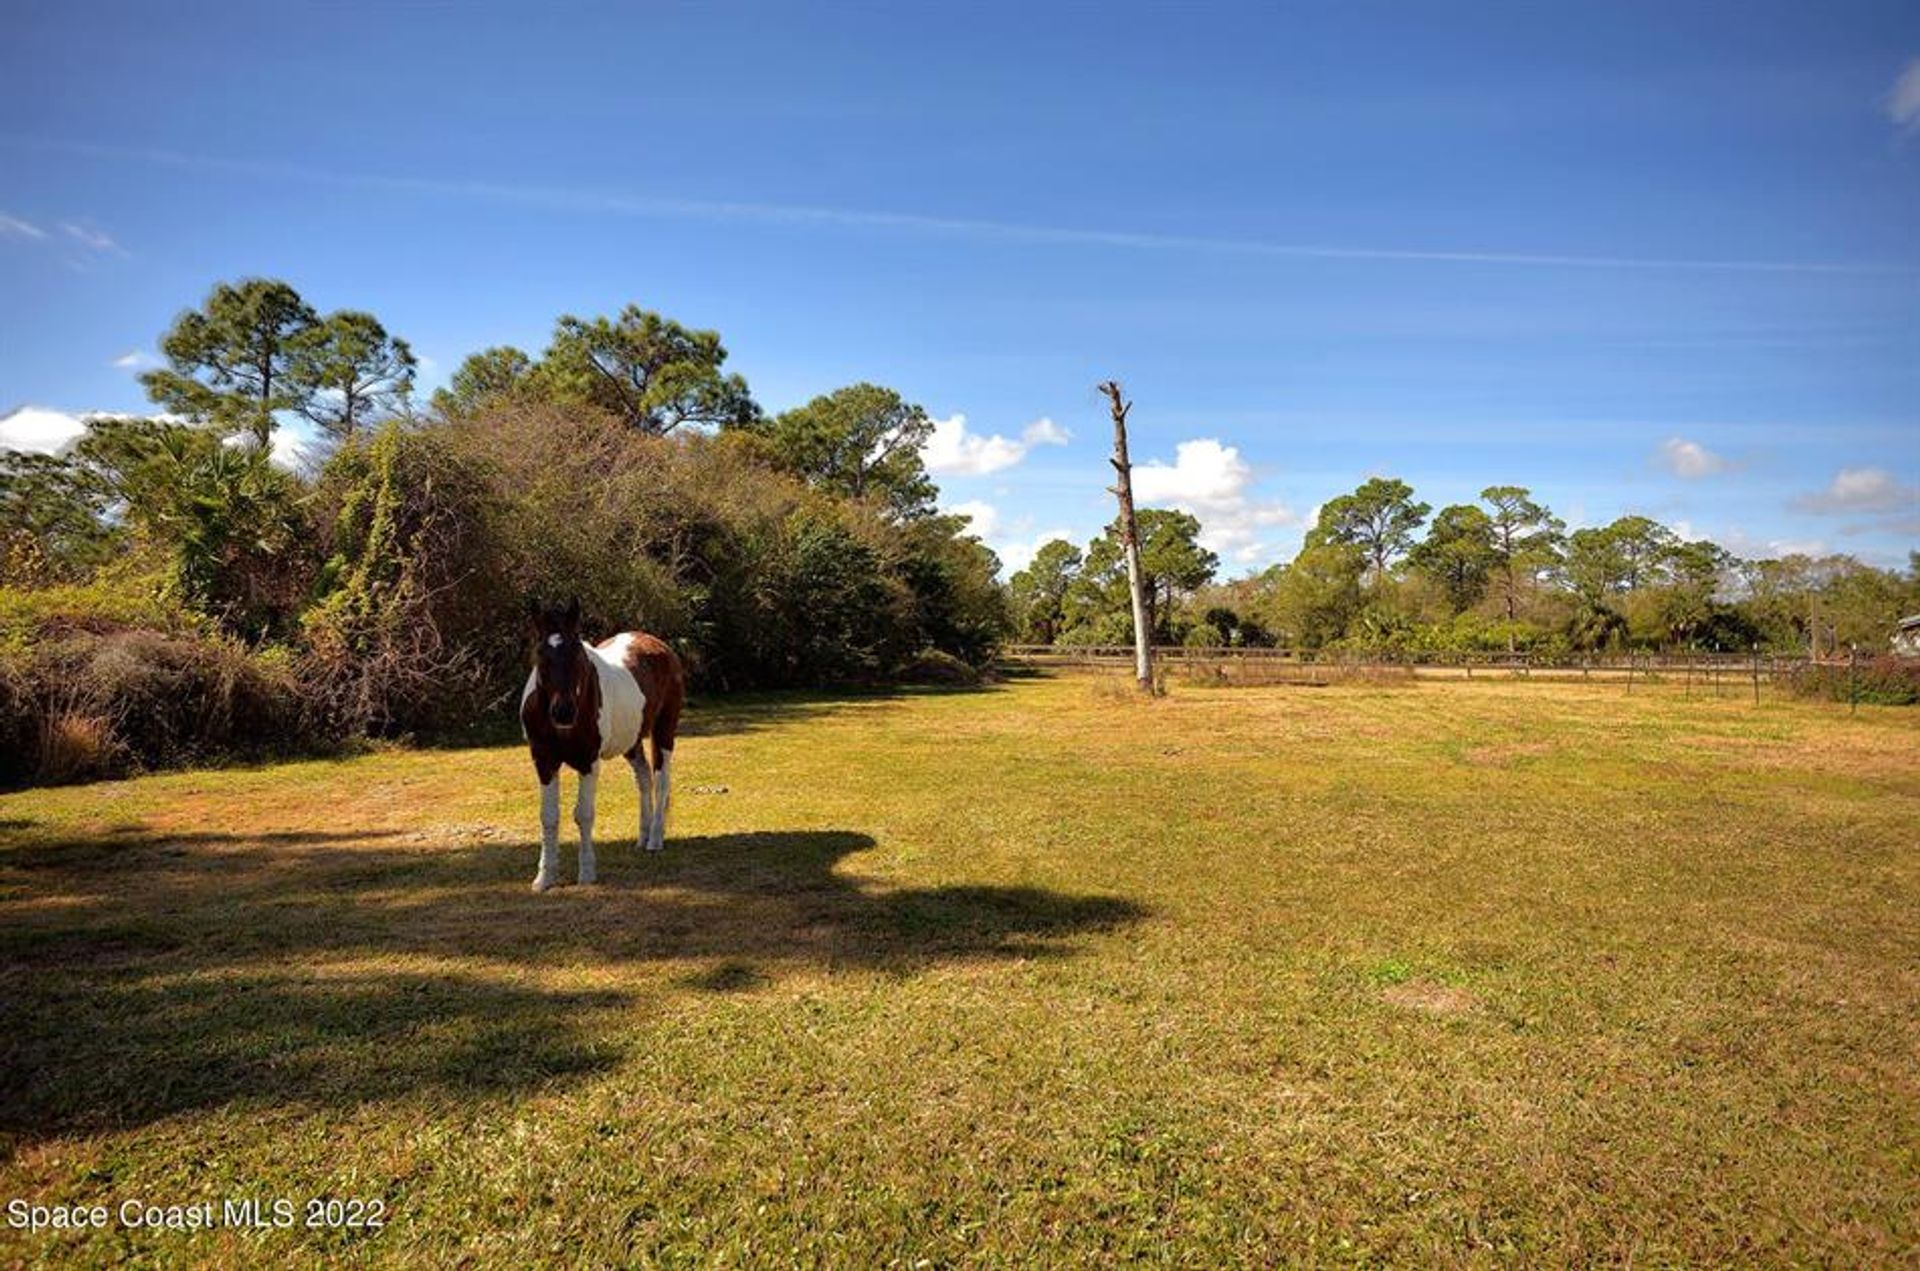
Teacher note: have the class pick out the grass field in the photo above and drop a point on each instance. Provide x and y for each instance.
(1449, 973)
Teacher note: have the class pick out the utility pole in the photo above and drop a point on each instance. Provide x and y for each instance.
(1130, 537)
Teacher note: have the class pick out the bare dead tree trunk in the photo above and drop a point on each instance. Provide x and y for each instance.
(1130, 538)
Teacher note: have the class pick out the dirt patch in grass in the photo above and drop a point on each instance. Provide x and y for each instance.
(1430, 998)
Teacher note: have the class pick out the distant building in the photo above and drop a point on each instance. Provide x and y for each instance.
(1906, 637)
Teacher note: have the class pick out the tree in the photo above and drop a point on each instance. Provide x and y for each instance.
(861, 442)
(1618, 558)
(346, 368)
(228, 361)
(1128, 529)
(489, 375)
(1524, 538)
(52, 520)
(645, 369)
(228, 520)
(1379, 518)
(1459, 554)
(1310, 602)
(1039, 591)
(1172, 563)
(959, 605)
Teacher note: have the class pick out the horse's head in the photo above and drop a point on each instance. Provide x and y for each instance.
(559, 662)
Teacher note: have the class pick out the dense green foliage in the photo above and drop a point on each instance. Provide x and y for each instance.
(383, 588)
(1499, 574)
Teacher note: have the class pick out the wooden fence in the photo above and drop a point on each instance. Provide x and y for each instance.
(1713, 672)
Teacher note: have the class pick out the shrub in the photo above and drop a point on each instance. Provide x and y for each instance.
(1877, 681)
(97, 705)
(933, 666)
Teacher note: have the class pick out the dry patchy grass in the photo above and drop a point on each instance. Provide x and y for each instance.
(1456, 973)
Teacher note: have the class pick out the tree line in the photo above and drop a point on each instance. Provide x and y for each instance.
(1379, 569)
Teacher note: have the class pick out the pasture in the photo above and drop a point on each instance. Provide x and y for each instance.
(1442, 973)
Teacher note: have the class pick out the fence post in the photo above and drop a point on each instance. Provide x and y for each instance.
(1853, 679)
(1756, 672)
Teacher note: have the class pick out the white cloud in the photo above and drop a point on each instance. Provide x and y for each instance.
(14, 227)
(1750, 547)
(1014, 543)
(1017, 553)
(92, 239)
(983, 519)
(1690, 459)
(134, 359)
(1903, 101)
(954, 451)
(39, 429)
(1860, 490)
(1214, 483)
(46, 431)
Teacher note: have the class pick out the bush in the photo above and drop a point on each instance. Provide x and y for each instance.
(92, 705)
(1877, 681)
(932, 666)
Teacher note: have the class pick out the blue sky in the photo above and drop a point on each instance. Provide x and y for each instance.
(1654, 258)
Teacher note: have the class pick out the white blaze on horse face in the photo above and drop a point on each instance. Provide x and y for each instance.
(556, 640)
(549, 835)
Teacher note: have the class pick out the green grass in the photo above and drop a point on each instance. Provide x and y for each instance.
(1449, 973)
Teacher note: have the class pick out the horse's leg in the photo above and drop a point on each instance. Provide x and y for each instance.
(583, 817)
(666, 726)
(662, 789)
(549, 871)
(642, 782)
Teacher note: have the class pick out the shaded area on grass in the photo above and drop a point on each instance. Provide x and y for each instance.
(144, 974)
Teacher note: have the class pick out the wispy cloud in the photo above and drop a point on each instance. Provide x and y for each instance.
(1214, 483)
(135, 359)
(91, 239)
(1903, 100)
(14, 227)
(953, 450)
(1861, 490)
(615, 203)
(1690, 459)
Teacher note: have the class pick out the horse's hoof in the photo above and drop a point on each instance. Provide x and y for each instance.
(588, 880)
(542, 883)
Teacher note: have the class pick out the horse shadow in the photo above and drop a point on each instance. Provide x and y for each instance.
(145, 973)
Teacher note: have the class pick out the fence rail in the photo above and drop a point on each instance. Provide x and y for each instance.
(1709, 668)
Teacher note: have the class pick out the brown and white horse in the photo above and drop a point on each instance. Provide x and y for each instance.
(585, 703)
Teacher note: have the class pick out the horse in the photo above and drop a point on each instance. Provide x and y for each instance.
(587, 703)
